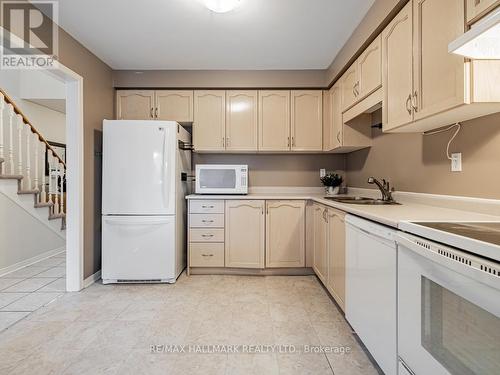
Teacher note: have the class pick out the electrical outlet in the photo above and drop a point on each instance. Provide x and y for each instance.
(456, 162)
(322, 172)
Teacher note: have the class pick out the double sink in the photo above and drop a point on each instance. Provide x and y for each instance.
(362, 201)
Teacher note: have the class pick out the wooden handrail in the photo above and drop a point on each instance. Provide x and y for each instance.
(33, 129)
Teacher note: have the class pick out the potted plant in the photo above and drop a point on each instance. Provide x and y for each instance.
(332, 182)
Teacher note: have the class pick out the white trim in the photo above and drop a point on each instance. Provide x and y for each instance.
(28, 262)
(91, 279)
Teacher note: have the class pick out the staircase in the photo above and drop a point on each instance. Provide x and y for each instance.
(24, 153)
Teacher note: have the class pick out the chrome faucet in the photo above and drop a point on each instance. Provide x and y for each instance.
(384, 187)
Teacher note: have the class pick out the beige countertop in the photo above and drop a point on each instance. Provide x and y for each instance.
(391, 215)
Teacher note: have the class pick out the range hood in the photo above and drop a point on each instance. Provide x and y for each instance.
(482, 41)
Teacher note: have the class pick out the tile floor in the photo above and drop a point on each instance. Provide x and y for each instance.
(29, 288)
(110, 329)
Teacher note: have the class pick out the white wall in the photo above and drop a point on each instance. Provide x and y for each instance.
(22, 236)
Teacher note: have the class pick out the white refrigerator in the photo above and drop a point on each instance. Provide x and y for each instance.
(144, 185)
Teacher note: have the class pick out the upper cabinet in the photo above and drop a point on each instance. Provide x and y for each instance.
(478, 8)
(168, 105)
(135, 104)
(241, 120)
(307, 120)
(424, 86)
(369, 68)
(274, 120)
(174, 105)
(209, 125)
(332, 118)
(349, 84)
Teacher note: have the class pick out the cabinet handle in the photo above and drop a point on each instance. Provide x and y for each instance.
(227, 141)
(207, 235)
(207, 206)
(415, 106)
(408, 104)
(293, 141)
(207, 255)
(207, 221)
(223, 142)
(288, 141)
(338, 137)
(354, 90)
(156, 112)
(151, 112)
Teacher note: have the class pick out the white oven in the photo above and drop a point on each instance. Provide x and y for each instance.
(448, 310)
(221, 179)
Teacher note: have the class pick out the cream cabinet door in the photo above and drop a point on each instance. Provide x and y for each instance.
(135, 104)
(285, 234)
(174, 105)
(370, 69)
(307, 120)
(349, 83)
(241, 120)
(397, 77)
(209, 120)
(274, 120)
(320, 254)
(336, 255)
(478, 8)
(332, 118)
(439, 76)
(245, 234)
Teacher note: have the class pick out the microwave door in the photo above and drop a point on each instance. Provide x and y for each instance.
(216, 181)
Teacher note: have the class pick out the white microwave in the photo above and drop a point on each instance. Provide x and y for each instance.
(221, 179)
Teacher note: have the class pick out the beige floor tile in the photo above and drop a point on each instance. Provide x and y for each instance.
(7, 318)
(291, 333)
(98, 361)
(252, 364)
(47, 361)
(355, 362)
(201, 364)
(281, 312)
(140, 362)
(32, 301)
(305, 364)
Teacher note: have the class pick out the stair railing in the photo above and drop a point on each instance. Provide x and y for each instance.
(17, 160)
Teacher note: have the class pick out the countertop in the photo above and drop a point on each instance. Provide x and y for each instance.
(391, 215)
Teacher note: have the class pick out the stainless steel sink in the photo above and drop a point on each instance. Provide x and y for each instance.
(362, 200)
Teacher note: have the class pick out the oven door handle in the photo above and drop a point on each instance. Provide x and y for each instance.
(471, 266)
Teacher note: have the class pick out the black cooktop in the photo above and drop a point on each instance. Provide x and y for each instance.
(486, 232)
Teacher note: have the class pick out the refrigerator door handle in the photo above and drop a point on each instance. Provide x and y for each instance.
(149, 222)
(164, 166)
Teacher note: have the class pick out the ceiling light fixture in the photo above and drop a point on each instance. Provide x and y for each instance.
(222, 6)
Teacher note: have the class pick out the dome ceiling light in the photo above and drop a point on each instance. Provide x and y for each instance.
(222, 6)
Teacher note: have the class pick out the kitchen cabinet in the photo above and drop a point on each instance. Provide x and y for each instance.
(369, 69)
(320, 251)
(397, 65)
(336, 256)
(245, 234)
(307, 120)
(349, 83)
(285, 234)
(274, 120)
(135, 104)
(209, 125)
(478, 8)
(174, 105)
(241, 120)
(424, 86)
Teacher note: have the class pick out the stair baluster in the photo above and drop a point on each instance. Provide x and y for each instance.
(20, 124)
(10, 110)
(56, 193)
(2, 106)
(43, 194)
(28, 158)
(61, 208)
(37, 159)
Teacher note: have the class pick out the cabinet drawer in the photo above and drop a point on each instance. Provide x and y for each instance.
(206, 207)
(206, 255)
(206, 220)
(206, 235)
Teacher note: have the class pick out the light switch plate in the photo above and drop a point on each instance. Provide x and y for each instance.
(322, 172)
(456, 162)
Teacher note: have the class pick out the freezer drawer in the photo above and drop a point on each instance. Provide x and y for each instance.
(138, 248)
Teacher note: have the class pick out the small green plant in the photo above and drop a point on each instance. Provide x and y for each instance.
(332, 179)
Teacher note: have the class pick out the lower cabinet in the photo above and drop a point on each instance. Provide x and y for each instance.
(245, 233)
(320, 253)
(336, 256)
(285, 234)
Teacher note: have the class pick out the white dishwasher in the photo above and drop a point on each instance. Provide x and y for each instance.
(371, 288)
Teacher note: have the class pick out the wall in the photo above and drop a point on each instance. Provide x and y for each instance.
(98, 101)
(16, 246)
(278, 170)
(417, 163)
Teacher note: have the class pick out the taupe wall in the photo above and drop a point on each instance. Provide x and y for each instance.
(279, 170)
(413, 162)
(219, 78)
(98, 99)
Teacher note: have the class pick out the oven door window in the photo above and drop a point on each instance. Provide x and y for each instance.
(461, 336)
(217, 178)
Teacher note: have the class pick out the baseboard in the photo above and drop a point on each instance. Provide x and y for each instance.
(30, 261)
(302, 271)
(91, 279)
